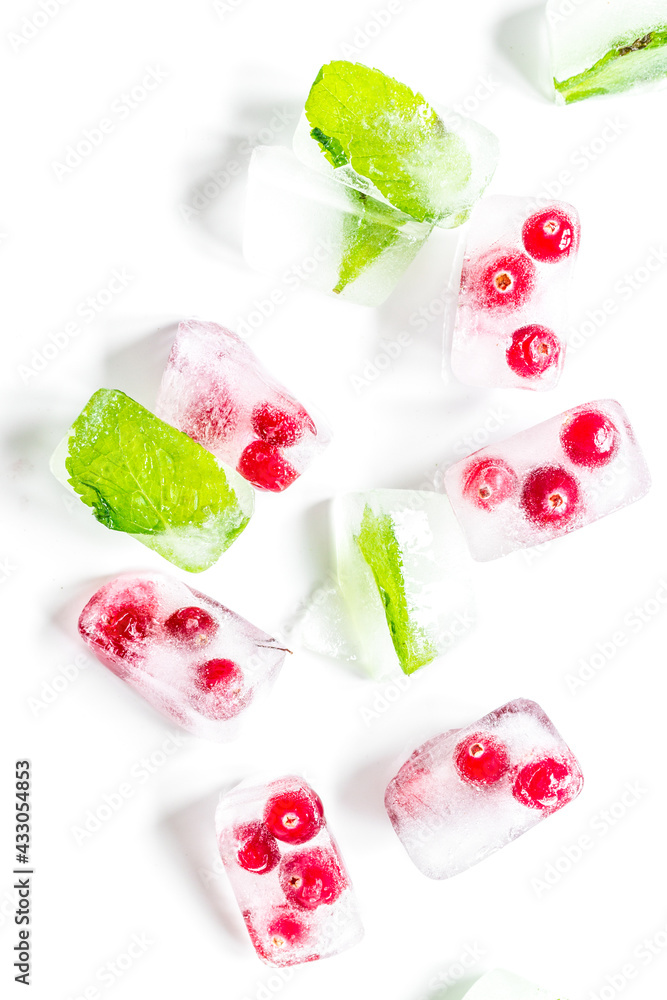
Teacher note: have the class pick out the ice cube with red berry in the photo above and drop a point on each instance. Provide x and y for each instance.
(468, 792)
(539, 484)
(286, 871)
(512, 305)
(195, 661)
(216, 391)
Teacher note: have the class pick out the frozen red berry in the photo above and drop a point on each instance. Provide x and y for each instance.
(502, 280)
(533, 350)
(294, 816)
(481, 759)
(194, 626)
(550, 235)
(550, 496)
(281, 427)
(221, 689)
(487, 482)
(589, 438)
(286, 930)
(258, 849)
(547, 783)
(211, 421)
(126, 624)
(264, 466)
(312, 878)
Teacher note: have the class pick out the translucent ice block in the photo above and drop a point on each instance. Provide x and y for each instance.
(402, 577)
(287, 872)
(384, 139)
(500, 985)
(143, 477)
(465, 794)
(557, 476)
(216, 391)
(307, 228)
(598, 47)
(512, 309)
(195, 661)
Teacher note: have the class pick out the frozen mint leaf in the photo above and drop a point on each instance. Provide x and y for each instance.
(631, 61)
(380, 548)
(365, 238)
(390, 135)
(142, 476)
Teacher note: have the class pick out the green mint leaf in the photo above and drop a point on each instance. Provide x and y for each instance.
(380, 548)
(631, 61)
(365, 238)
(142, 476)
(390, 135)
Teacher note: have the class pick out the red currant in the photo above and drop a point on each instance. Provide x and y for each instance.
(222, 684)
(279, 426)
(294, 816)
(488, 482)
(533, 350)
(286, 930)
(211, 422)
(481, 759)
(122, 629)
(589, 438)
(550, 496)
(550, 235)
(258, 849)
(194, 626)
(312, 878)
(266, 468)
(502, 280)
(547, 783)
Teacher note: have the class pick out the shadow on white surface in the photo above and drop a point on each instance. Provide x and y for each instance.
(522, 41)
(137, 368)
(455, 992)
(363, 794)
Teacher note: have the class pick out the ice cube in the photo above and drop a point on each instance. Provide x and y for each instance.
(500, 985)
(402, 574)
(598, 47)
(216, 391)
(195, 661)
(512, 310)
(546, 481)
(143, 477)
(463, 795)
(286, 871)
(309, 229)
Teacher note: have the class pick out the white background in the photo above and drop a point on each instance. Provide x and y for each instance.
(125, 207)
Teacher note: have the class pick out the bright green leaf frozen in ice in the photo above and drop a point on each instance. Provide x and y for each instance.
(631, 61)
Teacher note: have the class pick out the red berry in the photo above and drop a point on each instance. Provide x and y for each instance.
(222, 684)
(481, 759)
(286, 930)
(194, 626)
(547, 783)
(264, 466)
(281, 427)
(488, 482)
(533, 350)
(502, 280)
(550, 496)
(312, 878)
(295, 816)
(550, 235)
(258, 850)
(210, 422)
(589, 438)
(125, 624)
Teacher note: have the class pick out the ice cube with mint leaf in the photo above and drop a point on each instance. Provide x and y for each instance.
(599, 47)
(143, 477)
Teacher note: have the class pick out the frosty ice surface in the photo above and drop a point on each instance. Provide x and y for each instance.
(512, 308)
(195, 661)
(216, 391)
(465, 794)
(143, 477)
(546, 481)
(287, 872)
(403, 596)
(599, 47)
(314, 230)
(500, 985)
